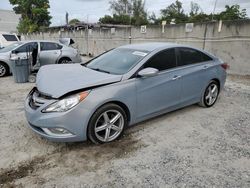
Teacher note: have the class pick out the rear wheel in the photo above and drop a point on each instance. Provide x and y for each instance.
(64, 60)
(210, 95)
(107, 124)
(4, 69)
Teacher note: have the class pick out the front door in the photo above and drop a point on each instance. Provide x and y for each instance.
(162, 91)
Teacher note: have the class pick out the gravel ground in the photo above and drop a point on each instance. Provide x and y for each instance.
(191, 147)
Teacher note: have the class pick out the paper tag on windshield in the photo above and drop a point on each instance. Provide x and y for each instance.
(139, 53)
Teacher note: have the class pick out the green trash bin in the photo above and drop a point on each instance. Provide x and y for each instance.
(20, 69)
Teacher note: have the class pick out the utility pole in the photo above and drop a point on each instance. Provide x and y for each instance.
(215, 3)
(87, 34)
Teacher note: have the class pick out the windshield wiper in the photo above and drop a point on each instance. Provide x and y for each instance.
(99, 70)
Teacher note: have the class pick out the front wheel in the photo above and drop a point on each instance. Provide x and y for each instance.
(4, 69)
(107, 124)
(210, 95)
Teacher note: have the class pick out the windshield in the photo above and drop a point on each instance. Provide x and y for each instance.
(117, 61)
(11, 47)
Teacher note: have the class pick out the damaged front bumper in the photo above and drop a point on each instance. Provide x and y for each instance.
(70, 126)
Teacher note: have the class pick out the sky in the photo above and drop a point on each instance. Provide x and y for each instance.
(92, 10)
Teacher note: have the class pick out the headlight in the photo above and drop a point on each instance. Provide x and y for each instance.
(66, 103)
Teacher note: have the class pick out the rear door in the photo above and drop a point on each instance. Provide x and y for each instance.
(159, 92)
(194, 65)
(49, 52)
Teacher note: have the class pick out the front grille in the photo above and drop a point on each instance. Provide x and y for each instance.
(37, 99)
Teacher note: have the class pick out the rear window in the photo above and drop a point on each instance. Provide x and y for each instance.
(10, 37)
(189, 56)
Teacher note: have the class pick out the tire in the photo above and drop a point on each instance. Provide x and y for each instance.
(64, 60)
(210, 94)
(32, 78)
(4, 69)
(101, 129)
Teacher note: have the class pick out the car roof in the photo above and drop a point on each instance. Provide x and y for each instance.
(26, 41)
(151, 46)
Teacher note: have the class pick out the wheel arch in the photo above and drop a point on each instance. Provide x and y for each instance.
(119, 103)
(218, 81)
(63, 57)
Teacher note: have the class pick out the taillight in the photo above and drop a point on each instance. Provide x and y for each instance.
(225, 66)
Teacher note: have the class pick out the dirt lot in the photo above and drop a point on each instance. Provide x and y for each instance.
(191, 147)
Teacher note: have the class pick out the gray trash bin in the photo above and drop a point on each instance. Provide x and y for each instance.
(20, 69)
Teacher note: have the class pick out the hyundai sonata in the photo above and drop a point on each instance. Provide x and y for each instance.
(126, 85)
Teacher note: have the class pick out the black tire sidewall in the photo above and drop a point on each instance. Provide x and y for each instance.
(6, 69)
(91, 125)
(64, 58)
(204, 96)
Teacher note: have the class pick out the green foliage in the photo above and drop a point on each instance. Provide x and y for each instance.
(126, 12)
(139, 13)
(74, 21)
(121, 7)
(34, 14)
(152, 19)
(174, 11)
(232, 13)
(115, 19)
(136, 9)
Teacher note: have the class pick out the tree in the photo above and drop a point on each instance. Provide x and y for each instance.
(195, 9)
(196, 14)
(139, 13)
(74, 21)
(126, 12)
(152, 19)
(121, 7)
(174, 11)
(34, 14)
(116, 19)
(232, 13)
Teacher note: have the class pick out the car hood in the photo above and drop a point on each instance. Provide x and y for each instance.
(4, 55)
(58, 80)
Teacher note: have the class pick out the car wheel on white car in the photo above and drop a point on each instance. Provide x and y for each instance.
(107, 124)
(211, 94)
(4, 69)
(64, 60)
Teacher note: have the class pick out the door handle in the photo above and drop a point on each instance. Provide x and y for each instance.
(205, 67)
(176, 77)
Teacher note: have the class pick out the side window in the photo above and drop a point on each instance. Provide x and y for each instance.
(46, 46)
(28, 47)
(205, 57)
(163, 60)
(188, 56)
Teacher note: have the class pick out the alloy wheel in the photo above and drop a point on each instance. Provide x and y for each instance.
(2, 70)
(109, 125)
(65, 61)
(211, 94)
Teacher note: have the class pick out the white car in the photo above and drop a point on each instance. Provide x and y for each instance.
(7, 39)
(42, 53)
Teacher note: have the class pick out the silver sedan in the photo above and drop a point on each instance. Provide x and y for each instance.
(124, 86)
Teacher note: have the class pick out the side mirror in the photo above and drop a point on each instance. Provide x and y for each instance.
(14, 52)
(148, 72)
